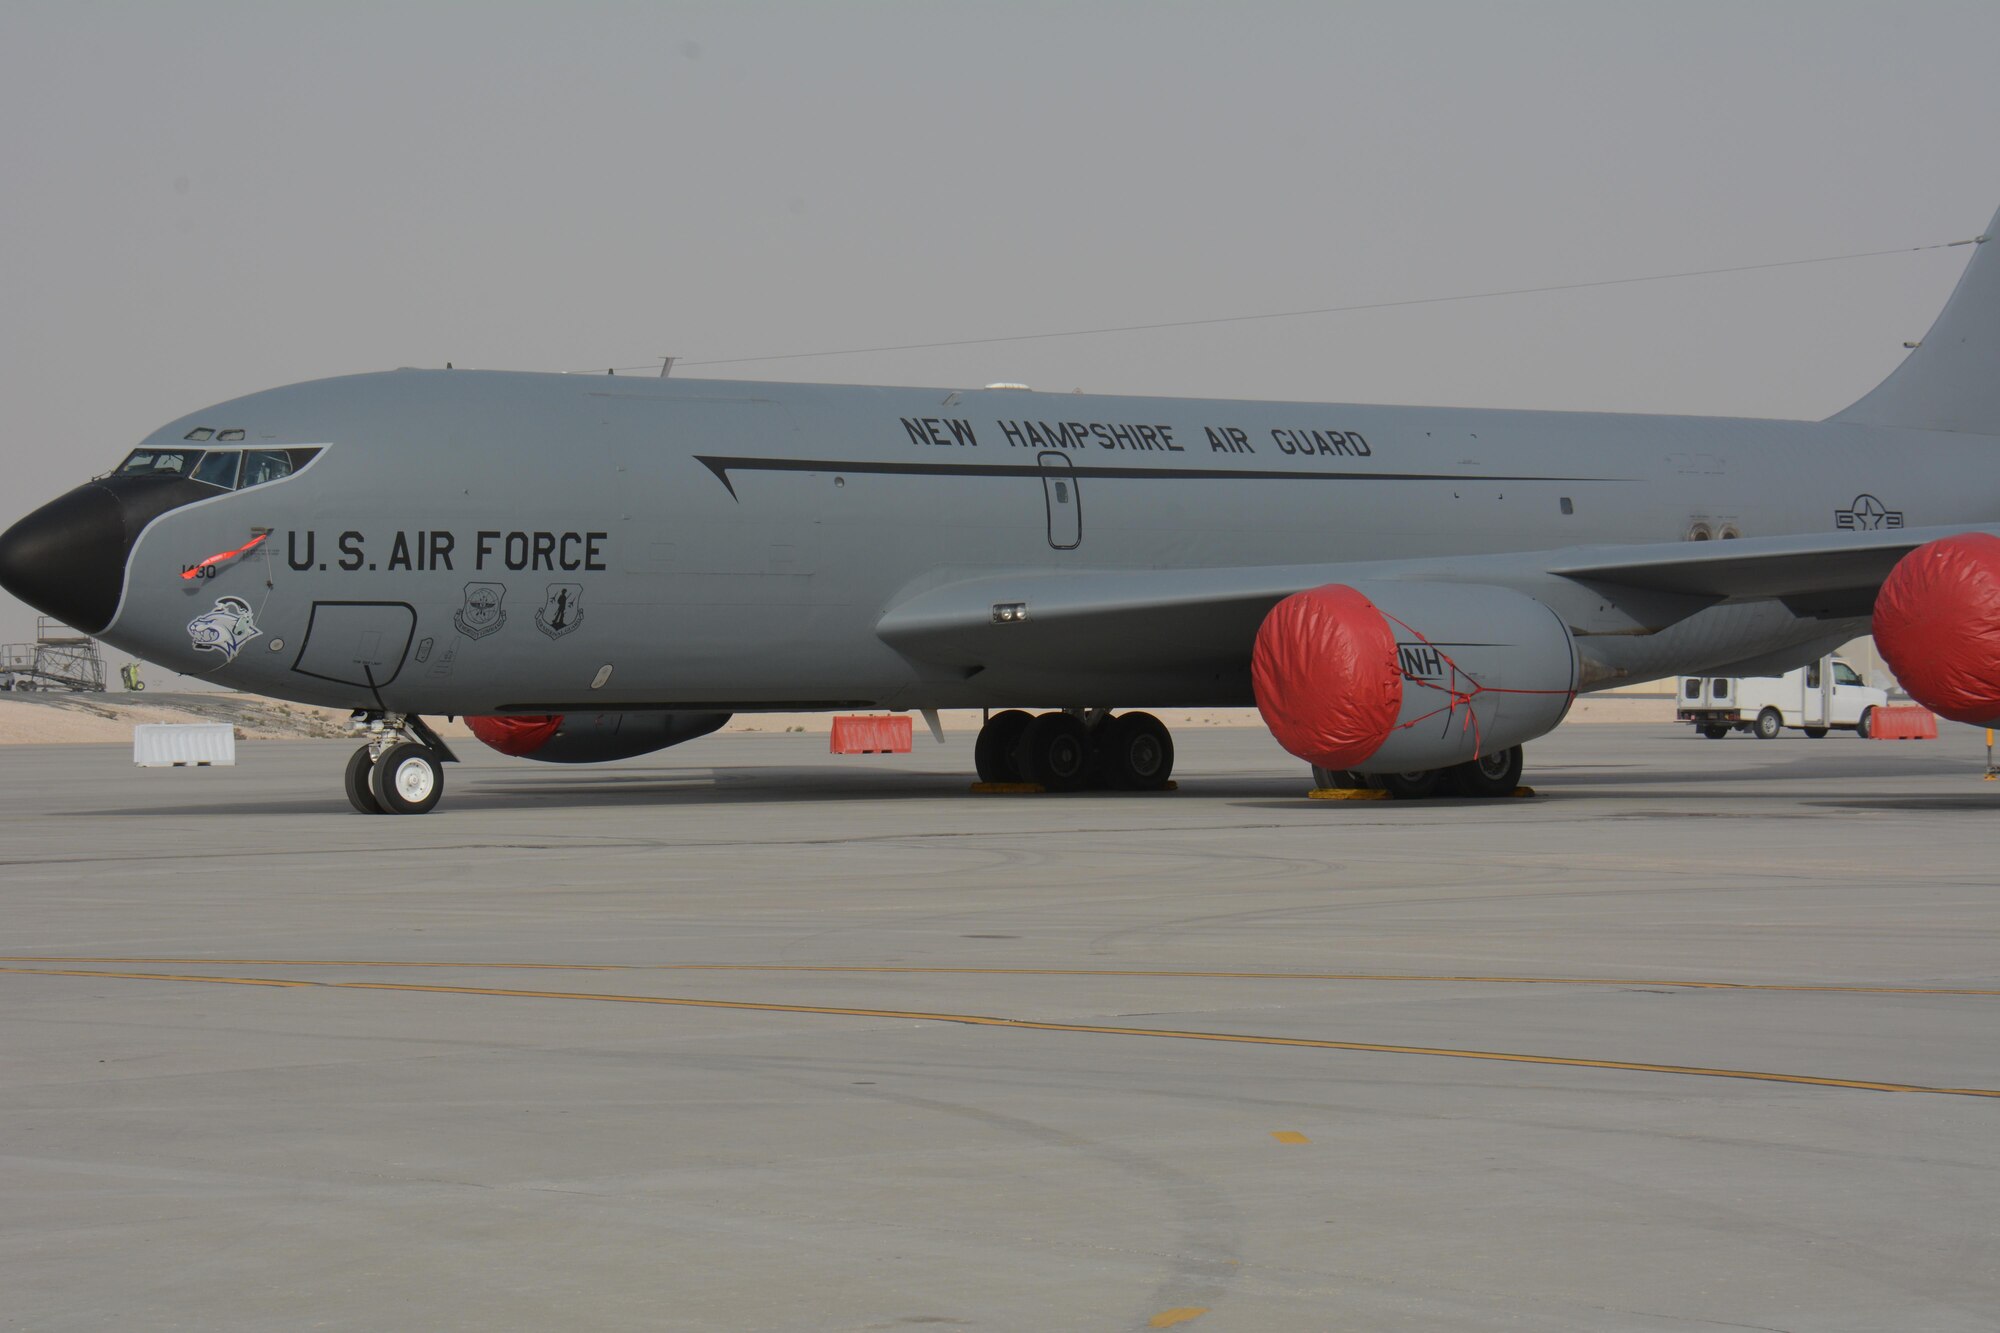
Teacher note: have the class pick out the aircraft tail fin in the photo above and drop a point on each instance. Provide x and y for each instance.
(1951, 381)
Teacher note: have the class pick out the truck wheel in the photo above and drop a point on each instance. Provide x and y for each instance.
(1413, 786)
(1715, 733)
(1135, 753)
(1816, 733)
(993, 752)
(1866, 726)
(1054, 750)
(1769, 723)
(1490, 775)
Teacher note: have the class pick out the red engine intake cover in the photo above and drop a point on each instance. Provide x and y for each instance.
(1937, 623)
(1325, 673)
(516, 736)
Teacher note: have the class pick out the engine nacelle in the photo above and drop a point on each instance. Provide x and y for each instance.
(1396, 677)
(591, 738)
(1937, 625)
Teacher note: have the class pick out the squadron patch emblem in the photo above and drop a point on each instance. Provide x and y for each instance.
(224, 629)
(482, 613)
(562, 610)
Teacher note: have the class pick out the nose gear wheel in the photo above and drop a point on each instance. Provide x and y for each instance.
(408, 780)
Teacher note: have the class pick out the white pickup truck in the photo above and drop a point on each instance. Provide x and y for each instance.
(1816, 698)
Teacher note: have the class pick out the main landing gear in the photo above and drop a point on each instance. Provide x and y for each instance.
(400, 769)
(1490, 775)
(1076, 750)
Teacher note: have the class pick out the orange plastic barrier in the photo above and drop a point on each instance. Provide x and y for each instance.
(872, 735)
(1903, 724)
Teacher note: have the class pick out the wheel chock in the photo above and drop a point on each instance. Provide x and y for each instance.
(1371, 794)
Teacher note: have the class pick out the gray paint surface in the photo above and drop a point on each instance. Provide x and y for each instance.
(732, 547)
(235, 1157)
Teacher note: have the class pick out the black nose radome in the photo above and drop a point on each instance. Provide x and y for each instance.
(67, 559)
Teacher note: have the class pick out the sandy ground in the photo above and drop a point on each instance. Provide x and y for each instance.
(57, 719)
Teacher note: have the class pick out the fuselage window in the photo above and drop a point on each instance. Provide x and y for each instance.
(217, 468)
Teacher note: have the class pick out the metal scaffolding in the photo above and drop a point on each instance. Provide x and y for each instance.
(58, 659)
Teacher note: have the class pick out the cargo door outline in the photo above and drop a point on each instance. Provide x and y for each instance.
(1063, 501)
(356, 643)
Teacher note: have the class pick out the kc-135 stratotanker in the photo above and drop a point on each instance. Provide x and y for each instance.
(590, 568)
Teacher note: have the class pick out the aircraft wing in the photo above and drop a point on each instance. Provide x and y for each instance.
(1112, 618)
(1804, 571)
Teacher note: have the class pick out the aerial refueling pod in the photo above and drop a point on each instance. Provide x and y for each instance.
(591, 738)
(1937, 625)
(1399, 677)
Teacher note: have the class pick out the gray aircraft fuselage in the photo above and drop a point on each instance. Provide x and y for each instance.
(479, 542)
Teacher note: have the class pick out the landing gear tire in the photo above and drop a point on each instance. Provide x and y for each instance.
(1409, 786)
(1135, 752)
(993, 752)
(1488, 776)
(1338, 779)
(360, 792)
(1816, 733)
(407, 780)
(1715, 733)
(1054, 751)
(1769, 723)
(1866, 726)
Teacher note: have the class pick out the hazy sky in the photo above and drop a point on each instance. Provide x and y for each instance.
(201, 200)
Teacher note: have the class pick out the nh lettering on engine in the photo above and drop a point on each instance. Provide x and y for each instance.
(1420, 661)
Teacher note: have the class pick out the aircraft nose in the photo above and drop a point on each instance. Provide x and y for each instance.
(67, 559)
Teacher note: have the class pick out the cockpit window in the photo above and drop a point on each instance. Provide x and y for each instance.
(217, 468)
(230, 469)
(262, 465)
(199, 433)
(159, 463)
(230, 436)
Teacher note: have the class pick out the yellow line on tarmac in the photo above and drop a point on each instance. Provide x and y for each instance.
(891, 969)
(1030, 1025)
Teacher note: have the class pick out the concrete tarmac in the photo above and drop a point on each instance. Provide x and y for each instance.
(744, 1036)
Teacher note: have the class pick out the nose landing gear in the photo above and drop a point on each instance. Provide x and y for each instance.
(399, 770)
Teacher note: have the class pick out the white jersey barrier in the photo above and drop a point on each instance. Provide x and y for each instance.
(198, 745)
